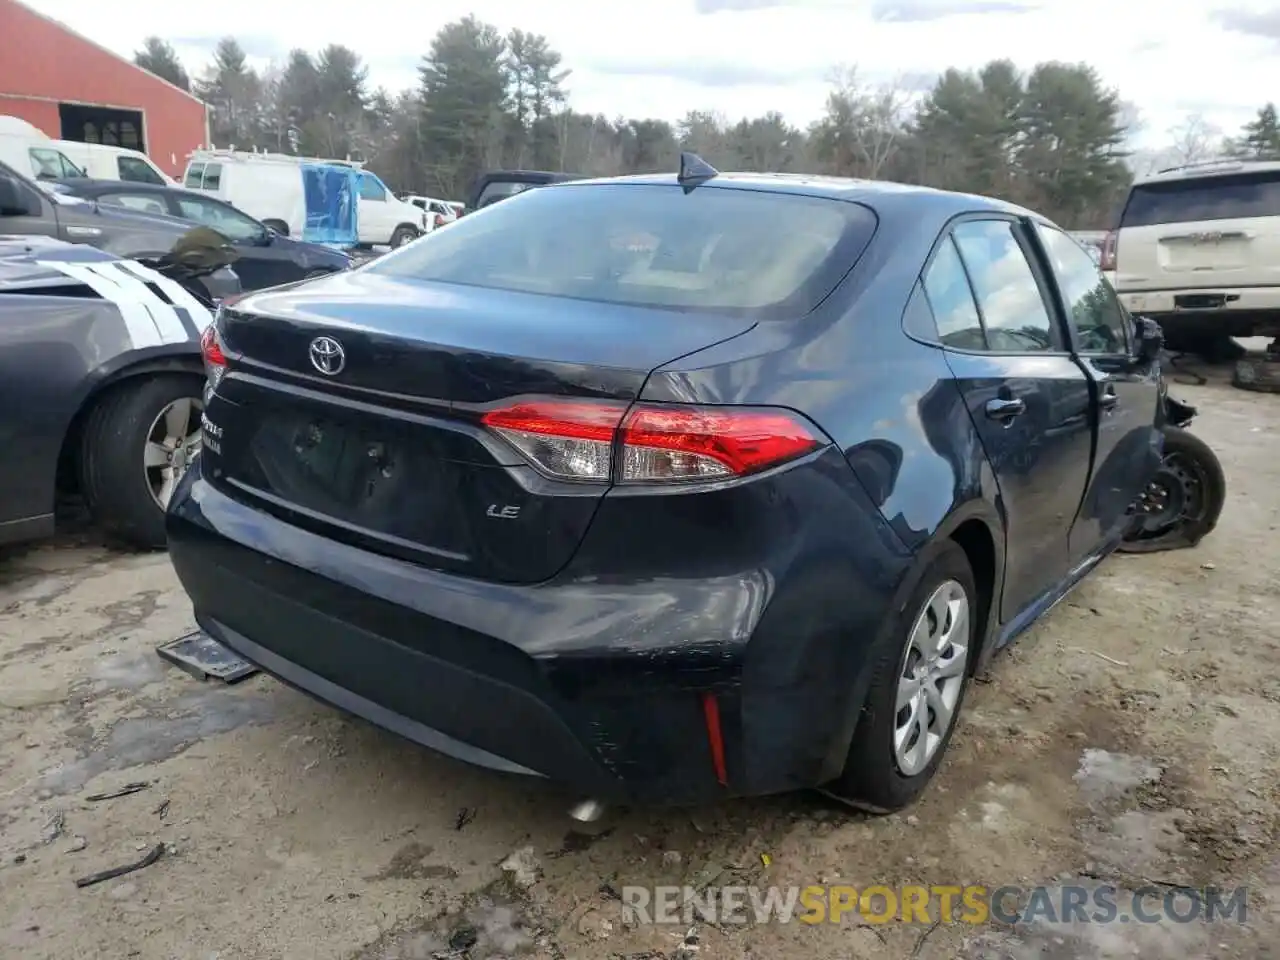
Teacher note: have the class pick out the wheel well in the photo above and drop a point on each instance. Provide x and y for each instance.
(979, 548)
(68, 479)
(406, 226)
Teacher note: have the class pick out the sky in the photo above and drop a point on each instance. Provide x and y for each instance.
(661, 58)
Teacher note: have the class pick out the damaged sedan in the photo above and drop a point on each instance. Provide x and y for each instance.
(726, 486)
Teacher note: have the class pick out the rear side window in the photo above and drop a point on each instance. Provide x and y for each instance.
(1014, 314)
(713, 249)
(951, 298)
(1236, 196)
(137, 171)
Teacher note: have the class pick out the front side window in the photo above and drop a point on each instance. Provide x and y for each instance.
(137, 171)
(1014, 314)
(135, 201)
(371, 188)
(194, 177)
(49, 164)
(714, 249)
(1092, 307)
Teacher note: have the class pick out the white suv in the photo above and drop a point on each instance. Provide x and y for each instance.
(1198, 249)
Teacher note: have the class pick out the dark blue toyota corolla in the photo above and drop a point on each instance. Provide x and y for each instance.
(670, 488)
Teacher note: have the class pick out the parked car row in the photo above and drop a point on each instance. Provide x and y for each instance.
(26, 148)
(270, 187)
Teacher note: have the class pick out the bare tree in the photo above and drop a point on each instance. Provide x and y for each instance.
(863, 125)
(1195, 140)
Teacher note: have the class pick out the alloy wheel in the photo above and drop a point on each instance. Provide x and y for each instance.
(172, 443)
(932, 678)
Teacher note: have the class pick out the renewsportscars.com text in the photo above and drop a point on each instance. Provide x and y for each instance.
(972, 904)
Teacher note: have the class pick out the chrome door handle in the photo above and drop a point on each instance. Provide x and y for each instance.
(1005, 409)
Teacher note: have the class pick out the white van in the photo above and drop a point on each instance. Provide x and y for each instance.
(104, 162)
(29, 151)
(268, 187)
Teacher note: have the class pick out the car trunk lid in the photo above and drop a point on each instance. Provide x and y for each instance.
(386, 450)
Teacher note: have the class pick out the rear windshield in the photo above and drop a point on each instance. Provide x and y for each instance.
(720, 250)
(1236, 196)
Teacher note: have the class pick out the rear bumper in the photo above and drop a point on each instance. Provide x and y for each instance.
(1242, 311)
(596, 685)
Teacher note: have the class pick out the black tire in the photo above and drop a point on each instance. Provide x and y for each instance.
(279, 226)
(112, 475)
(1187, 458)
(1260, 374)
(872, 779)
(402, 236)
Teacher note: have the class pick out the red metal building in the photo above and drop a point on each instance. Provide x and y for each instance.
(73, 89)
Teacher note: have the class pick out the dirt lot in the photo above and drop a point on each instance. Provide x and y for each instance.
(1132, 737)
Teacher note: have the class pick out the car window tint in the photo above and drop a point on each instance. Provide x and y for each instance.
(135, 201)
(228, 221)
(951, 298)
(1092, 306)
(1014, 314)
(371, 188)
(194, 177)
(1228, 197)
(212, 178)
(137, 171)
(716, 249)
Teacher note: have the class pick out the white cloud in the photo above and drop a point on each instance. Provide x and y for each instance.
(660, 58)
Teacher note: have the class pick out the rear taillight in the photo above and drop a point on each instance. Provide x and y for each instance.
(651, 443)
(215, 360)
(1108, 259)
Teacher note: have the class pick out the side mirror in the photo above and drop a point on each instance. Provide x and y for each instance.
(1150, 339)
(13, 199)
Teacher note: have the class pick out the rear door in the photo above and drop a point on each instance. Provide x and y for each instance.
(1125, 394)
(1208, 232)
(1028, 398)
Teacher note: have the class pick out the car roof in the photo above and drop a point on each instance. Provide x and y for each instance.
(880, 195)
(1209, 168)
(85, 183)
(82, 184)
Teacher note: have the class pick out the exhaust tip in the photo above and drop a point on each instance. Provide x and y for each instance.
(588, 811)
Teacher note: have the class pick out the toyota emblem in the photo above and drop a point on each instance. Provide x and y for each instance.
(327, 356)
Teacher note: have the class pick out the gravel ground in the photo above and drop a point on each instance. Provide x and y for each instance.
(1132, 737)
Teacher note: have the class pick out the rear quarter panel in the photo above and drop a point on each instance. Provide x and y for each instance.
(50, 348)
(892, 408)
(889, 402)
(55, 353)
